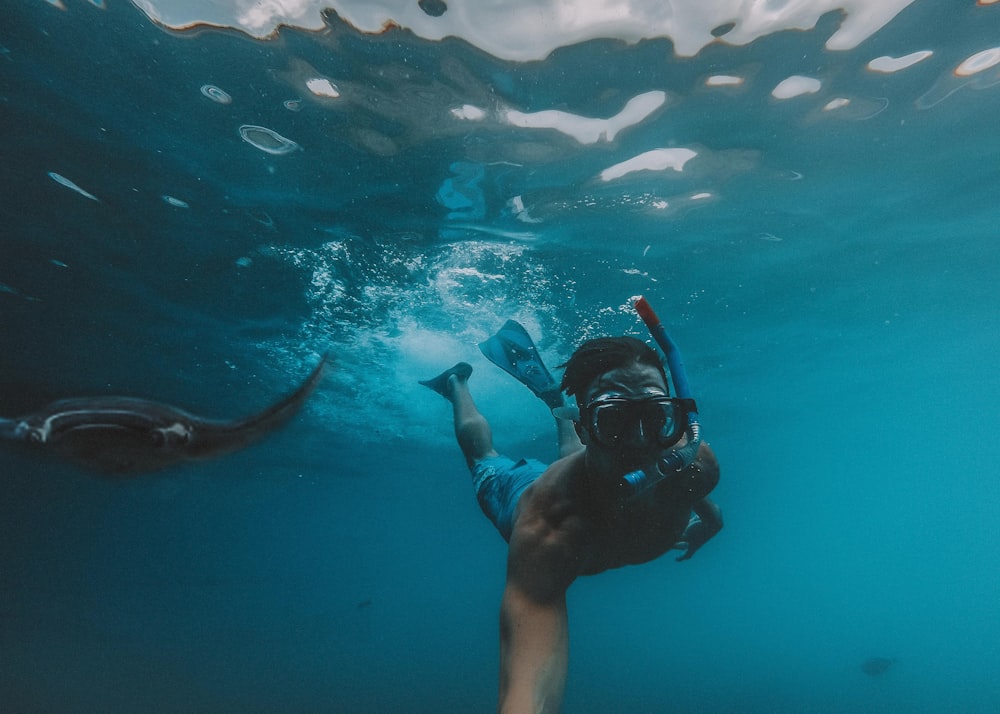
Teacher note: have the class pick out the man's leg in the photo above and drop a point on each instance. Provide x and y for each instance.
(498, 481)
(569, 441)
(473, 431)
(471, 428)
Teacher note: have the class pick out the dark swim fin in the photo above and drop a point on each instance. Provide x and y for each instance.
(512, 350)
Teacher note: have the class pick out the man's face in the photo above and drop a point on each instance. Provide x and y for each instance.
(634, 382)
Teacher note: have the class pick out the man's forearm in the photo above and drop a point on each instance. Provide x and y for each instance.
(534, 654)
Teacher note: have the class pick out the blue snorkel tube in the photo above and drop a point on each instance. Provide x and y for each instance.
(676, 459)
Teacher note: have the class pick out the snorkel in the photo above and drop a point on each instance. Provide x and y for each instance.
(674, 460)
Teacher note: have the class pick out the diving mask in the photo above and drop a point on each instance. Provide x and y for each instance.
(616, 421)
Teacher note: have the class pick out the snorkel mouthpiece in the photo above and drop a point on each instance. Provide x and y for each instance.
(674, 460)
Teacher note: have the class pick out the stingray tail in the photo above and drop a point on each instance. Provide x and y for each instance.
(216, 439)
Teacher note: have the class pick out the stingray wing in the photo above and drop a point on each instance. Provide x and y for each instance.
(121, 435)
(218, 438)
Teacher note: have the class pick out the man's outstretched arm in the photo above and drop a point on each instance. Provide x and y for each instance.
(534, 634)
(534, 653)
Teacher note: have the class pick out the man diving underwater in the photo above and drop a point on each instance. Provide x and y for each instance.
(631, 472)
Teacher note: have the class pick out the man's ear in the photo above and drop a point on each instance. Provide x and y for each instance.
(581, 433)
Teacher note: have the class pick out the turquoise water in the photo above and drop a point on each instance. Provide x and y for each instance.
(830, 275)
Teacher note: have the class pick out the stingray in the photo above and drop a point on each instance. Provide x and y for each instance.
(874, 666)
(127, 435)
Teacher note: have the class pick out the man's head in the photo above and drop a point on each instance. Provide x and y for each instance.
(604, 354)
(626, 416)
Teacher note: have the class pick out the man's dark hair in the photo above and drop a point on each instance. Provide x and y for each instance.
(604, 354)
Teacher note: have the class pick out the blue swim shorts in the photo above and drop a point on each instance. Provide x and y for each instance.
(499, 483)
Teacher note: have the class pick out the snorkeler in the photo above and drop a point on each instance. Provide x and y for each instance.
(632, 471)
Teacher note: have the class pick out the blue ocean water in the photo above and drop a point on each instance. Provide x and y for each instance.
(830, 276)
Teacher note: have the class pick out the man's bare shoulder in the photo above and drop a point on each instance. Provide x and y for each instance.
(550, 496)
(550, 541)
(548, 508)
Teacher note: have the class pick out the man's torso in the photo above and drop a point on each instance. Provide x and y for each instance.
(601, 529)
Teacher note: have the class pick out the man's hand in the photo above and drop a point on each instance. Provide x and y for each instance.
(683, 545)
(705, 523)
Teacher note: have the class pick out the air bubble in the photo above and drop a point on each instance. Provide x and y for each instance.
(216, 94)
(267, 140)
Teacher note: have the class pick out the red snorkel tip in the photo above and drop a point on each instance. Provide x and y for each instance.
(645, 311)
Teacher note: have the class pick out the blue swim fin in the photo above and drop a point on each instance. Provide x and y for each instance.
(512, 350)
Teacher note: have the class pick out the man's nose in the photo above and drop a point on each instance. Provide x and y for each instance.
(637, 436)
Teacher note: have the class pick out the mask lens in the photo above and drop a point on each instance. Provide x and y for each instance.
(611, 422)
(635, 421)
(659, 420)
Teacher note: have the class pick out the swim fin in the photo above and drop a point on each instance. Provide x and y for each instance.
(512, 350)
(462, 370)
